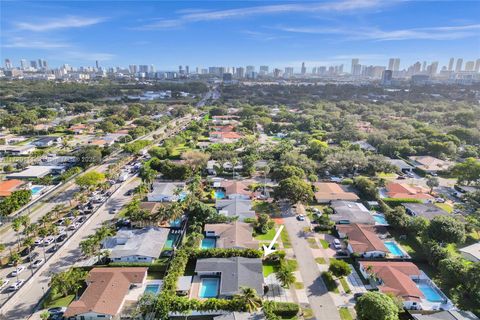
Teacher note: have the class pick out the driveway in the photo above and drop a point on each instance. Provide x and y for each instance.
(319, 298)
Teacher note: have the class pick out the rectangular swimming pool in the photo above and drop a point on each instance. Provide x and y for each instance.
(152, 288)
(219, 194)
(208, 243)
(209, 288)
(36, 189)
(380, 219)
(171, 239)
(430, 293)
(393, 248)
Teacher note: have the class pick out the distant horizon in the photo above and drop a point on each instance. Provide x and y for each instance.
(239, 33)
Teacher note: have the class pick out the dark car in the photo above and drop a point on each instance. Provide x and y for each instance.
(61, 237)
(52, 249)
(32, 256)
(342, 254)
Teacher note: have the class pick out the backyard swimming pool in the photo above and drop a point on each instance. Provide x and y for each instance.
(219, 194)
(208, 243)
(209, 288)
(152, 288)
(380, 219)
(430, 293)
(36, 190)
(171, 239)
(393, 248)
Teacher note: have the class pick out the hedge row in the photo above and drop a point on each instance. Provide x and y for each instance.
(281, 309)
(154, 267)
(226, 253)
(395, 202)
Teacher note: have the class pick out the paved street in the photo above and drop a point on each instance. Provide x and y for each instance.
(23, 304)
(320, 300)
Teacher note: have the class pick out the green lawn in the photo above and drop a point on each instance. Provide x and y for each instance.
(345, 286)
(445, 206)
(321, 260)
(153, 275)
(345, 314)
(387, 176)
(324, 243)
(268, 236)
(265, 207)
(285, 239)
(268, 269)
(56, 301)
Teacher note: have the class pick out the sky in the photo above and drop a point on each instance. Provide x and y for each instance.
(238, 33)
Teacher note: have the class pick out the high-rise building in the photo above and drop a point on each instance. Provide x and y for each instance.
(288, 71)
(469, 65)
(477, 65)
(180, 70)
(458, 67)
(396, 65)
(152, 68)
(8, 64)
(277, 73)
(133, 68)
(387, 77)
(263, 70)
(354, 63)
(143, 68)
(433, 68)
(450, 64)
(187, 70)
(424, 66)
(356, 69)
(250, 69)
(240, 72)
(23, 64)
(33, 64)
(304, 69)
(391, 62)
(97, 65)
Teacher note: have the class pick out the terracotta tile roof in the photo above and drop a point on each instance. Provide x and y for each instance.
(228, 128)
(362, 238)
(106, 291)
(233, 235)
(401, 190)
(327, 191)
(396, 278)
(235, 187)
(8, 186)
(227, 135)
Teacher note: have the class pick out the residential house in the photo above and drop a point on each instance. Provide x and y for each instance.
(9, 186)
(237, 235)
(48, 141)
(235, 189)
(102, 142)
(225, 120)
(406, 281)
(232, 274)
(34, 172)
(107, 289)
(407, 191)
(138, 245)
(166, 191)
(363, 240)
(329, 191)
(446, 315)
(235, 208)
(401, 165)
(425, 210)
(13, 150)
(225, 137)
(471, 252)
(346, 212)
(364, 145)
(430, 164)
(241, 316)
(80, 128)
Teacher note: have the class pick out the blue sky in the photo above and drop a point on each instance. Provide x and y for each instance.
(235, 33)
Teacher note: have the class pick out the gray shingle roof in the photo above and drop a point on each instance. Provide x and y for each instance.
(350, 212)
(236, 207)
(235, 272)
(426, 210)
(447, 315)
(147, 242)
(241, 316)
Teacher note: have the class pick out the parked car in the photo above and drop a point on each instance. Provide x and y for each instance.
(17, 271)
(336, 244)
(38, 241)
(410, 175)
(52, 249)
(61, 237)
(37, 263)
(48, 240)
(32, 256)
(113, 211)
(57, 310)
(439, 200)
(341, 253)
(16, 285)
(301, 217)
(3, 283)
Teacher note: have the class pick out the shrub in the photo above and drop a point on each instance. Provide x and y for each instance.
(395, 202)
(226, 253)
(281, 309)
(347, 181)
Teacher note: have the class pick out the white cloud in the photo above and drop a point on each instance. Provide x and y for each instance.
(212, 15)
(59, 23)
(432, 33)
(34, 44)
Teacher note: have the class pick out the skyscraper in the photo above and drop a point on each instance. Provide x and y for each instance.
(354, 63)
(450, 64)
(288, 71)
(396, 64)
(304, 69)
(458, 67)
(477, 65)
(391, 62)
(33, 64)
(433, 68)
(8, 64)
(133, 68)
(187, 69)
(97, 65)
(469, 65)
(23, 64)
(263, 70)
(250, 69)
(240, 72)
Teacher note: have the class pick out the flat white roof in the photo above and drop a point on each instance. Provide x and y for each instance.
(35, 172)
(473, 249)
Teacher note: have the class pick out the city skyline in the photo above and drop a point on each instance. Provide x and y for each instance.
(280, 34)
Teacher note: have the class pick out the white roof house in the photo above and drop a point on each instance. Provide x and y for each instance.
(472, 252)
(33, 172)
(165, 191)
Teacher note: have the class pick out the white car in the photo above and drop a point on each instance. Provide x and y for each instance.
(39, 241)
(37, 263)
(16, 285)
(336, 244)
(48, 240)
(17, 271)
(439, 200)
(3, 283)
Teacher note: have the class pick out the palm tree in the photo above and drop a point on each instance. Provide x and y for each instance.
(16, 226)
(249, 298)
(285, 276)
(14, 259)
(28, 242)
